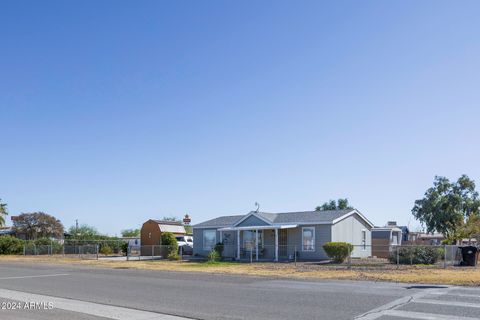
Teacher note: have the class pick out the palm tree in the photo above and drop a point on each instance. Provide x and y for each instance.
(3, 213)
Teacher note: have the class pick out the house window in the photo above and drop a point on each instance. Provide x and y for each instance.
(364, 240)
(209, 239)
(308, 239)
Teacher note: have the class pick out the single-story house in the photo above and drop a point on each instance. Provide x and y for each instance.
(151, 233)
(279, 236)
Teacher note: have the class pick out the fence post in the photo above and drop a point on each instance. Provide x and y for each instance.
(295, 254)
(34, 249)
(152, 250)
(398, 258)
(349, 256)
(444, 256)
(181, 252)
(411, 256)
(97, 249)
(128, 253)
(251, 254)
(24, 249)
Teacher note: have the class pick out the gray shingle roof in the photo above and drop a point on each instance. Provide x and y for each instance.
(310, 216)
(224, 221)
(280, 218)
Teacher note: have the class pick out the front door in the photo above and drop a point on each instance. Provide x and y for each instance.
(282, 243)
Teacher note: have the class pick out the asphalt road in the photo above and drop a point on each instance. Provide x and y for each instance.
(93, 293)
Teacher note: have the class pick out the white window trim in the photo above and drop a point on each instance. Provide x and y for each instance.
(364, 244)
(303, 248)
(203, 239)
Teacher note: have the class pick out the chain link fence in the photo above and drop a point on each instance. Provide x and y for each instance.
(106, 250)
(358, 256)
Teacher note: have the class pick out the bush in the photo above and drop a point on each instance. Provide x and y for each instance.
(173, 256)
(10, 245)
(338, 251)
(105, 249)
(124, 247)
(219, 248)
(416, 255)
(213, 256)
(168, 239)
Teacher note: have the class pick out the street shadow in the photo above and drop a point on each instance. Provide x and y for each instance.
(426, 287)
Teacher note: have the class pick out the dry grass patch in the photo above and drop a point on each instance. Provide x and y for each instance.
(408, 274)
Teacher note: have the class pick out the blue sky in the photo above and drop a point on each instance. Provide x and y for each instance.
(116, 112)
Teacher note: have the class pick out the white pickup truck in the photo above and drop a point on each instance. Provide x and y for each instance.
(185, 244)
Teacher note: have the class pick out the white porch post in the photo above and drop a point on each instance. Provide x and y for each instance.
(256, 242)
(238, 244)
(221, 237)
(276, 244)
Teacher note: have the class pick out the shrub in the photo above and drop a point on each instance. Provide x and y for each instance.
(106, 249)
(219, 248)
(124, 247)
(173, 256)
(416, 255)
(338, 251)
(213, 256)
(10, 245)
(168, 239)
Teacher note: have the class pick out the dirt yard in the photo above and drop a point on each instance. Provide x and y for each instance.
(303, 270)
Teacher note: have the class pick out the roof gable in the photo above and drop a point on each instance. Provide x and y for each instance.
(260, 217)
(252, 220)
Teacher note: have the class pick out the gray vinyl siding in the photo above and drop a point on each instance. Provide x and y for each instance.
(350, 230)
(252, 221)
(198, 241)
(229, 240)
(323, 234)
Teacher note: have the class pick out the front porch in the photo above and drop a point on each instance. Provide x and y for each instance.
(260, 243)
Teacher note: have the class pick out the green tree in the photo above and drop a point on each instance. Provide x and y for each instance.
(84, 232)
(340, 204)
(188, 229)
(3, 213)
(172, 218)
(131, 233)
(470, 230)
(38, 225)
(168, 239)
(447, 206)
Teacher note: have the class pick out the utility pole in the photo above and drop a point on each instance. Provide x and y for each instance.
(75, 237)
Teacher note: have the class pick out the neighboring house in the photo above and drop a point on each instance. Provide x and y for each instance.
(422, 238)
(7, 231)
(277, 236)
(384, 239)
(132, 241)
(151, 233)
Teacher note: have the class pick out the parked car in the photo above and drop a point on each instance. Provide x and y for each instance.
(185, 243)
